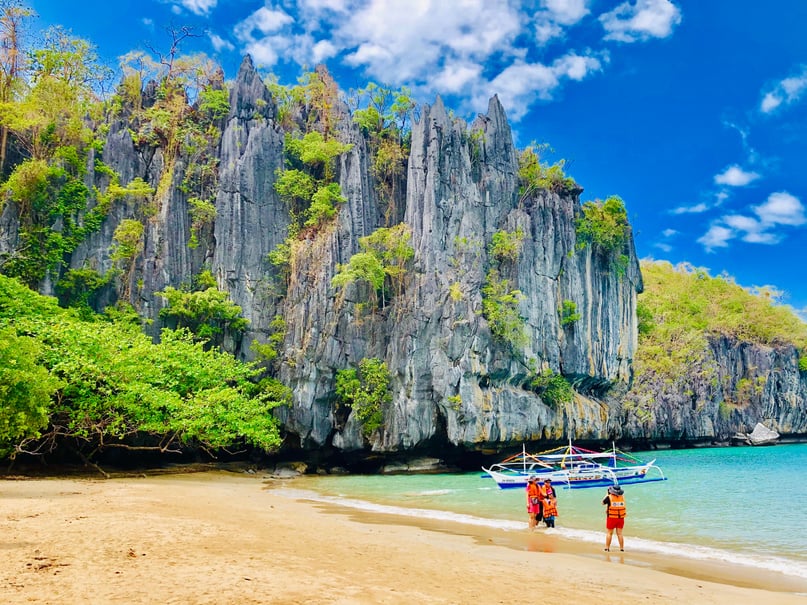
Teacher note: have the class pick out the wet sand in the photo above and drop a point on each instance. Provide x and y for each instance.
(231, 538)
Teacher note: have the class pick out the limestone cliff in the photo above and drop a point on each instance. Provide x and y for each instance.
(453, 382)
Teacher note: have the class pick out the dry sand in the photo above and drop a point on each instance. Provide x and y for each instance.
(228, 538)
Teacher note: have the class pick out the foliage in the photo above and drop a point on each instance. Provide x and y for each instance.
(604, 224)
(112, 387)
(568, 313)
(77, 287)
(682, 305)
(323, 204)
(534, 174)
(366, 392)
(207, 312)
(383, 116)
(500, 307)
(26, 389)
(270, 350)
(307, 184)
(127, 240)
(506, 245)
(553, 388)
(385, 254)
(214, 103)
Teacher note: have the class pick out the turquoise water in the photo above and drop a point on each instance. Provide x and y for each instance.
(742, 505)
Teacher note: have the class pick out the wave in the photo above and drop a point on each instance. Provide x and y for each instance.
(782, 565)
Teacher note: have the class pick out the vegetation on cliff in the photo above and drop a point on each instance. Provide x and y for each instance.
(683, 306)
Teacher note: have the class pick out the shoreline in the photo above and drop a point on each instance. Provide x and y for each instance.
(221, 538)
(539, 541)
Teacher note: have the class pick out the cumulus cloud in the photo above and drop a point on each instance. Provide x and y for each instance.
(521, 83)
(780, 209)
(785, 92)
(198, 7)
(556, 15)
(640, 21)
(734, 176)
(468, 49)
(220, 43)
(717, 236)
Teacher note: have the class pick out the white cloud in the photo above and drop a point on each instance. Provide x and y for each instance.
(557, 14)
(220, 43)
(696, 209)
(781, 208)
(264, 21)
(663, 247)
(786, 92)
(640, 21)
(468, 49)
(734, 176)
(717, 236)
(198, 7)
(566, 12)
(521, 83)
(456, 77)
(669, 233)
(322, 50)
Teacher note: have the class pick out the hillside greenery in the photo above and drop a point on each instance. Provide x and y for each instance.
(681, 306)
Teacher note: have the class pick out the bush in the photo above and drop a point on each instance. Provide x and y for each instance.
(604, 225)
(366, 392)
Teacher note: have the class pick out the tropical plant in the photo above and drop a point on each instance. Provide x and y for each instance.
(366, 391)
(604, 225)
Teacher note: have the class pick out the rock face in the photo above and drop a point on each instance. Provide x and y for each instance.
(453, 383)
(735, 386)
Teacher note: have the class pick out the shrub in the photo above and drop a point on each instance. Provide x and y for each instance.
(366, 392)
(604, 224)
(568, 313)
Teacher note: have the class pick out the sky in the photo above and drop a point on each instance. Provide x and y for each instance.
(694, 112)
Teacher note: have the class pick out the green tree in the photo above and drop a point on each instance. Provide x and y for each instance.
(366, 391)
(500, 306)
(604, 224)
(112, 387)
(207, 311)
(385, 254)
(26, 388)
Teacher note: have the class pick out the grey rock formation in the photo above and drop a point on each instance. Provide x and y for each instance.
(453, 382)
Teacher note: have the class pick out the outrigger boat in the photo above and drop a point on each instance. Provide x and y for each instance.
(573, 468)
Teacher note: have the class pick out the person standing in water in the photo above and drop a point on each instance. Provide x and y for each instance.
(550, 508)
(614, 516)
(534, 497)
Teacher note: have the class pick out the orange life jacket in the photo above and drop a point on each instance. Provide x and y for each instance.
(534, 492)
(550, 509)
(616, 509)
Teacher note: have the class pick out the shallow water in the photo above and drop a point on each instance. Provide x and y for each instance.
(741, 505)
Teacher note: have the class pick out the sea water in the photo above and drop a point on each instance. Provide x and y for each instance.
(741, 505)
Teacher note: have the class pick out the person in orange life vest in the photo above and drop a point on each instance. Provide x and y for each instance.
(534, 497)
(614, 516)
(550, 509)
(548, 489)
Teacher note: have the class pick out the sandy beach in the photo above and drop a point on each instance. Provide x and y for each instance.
(234, 538)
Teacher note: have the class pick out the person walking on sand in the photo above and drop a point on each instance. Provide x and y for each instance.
(534, 497)
(614, 516)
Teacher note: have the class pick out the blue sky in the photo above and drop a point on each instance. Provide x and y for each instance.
(693, 111)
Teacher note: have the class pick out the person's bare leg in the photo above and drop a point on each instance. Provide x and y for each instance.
(608, 536)
(619, 537)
